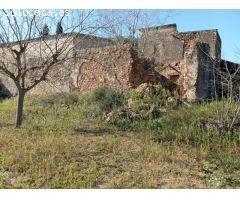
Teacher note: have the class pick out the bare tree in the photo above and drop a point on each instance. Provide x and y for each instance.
(228, 90)
(26, 58)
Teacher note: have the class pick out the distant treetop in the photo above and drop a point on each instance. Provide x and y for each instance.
(45, 31)
(59, 29)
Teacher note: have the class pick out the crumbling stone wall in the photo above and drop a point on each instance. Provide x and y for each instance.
(113, 66)
(197, 73)
(116, 66)
(210, 37)
(183, 56)
(82, 41)
(161, 45)
(165, 51)
(58, 80)
(176, 59)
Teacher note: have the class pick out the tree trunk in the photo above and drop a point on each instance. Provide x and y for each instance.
(19, 115)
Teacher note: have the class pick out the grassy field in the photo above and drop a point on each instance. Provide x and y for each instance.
(64, 143)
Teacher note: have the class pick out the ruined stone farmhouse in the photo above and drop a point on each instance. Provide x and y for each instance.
(182, 60)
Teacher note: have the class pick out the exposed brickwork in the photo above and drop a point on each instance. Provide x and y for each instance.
(110, 66)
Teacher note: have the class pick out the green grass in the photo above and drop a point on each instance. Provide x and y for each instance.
(64, 143)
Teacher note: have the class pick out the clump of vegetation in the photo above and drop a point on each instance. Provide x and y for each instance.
(149, 95)
(226, 117)
(143, 106)
(107, 99)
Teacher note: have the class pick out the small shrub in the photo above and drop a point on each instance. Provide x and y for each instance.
(214, 181)
(209, 168)
(232, 181)
(107, 99)
(226, 118)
